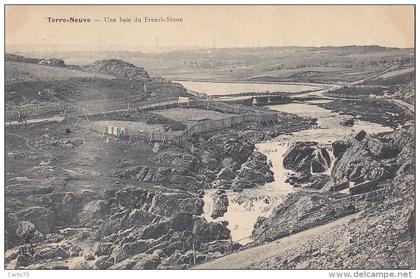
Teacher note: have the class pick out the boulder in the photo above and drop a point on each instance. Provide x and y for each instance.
(52, 62)
(317, 166)
(181, 160)
(181, 221)
(23, 260)
(89, 257)
(317, 181)
(155, 230)
(201, 229)
(339, 147)
(298, 157)
(221, 184)
(127, 250)
(139, 261)
(166, 204)
(348, 122)
(411, 223)
(104, 262)
(220, 205)
(359, 136)
(256, 170)
(52, 253)
(42, 217)
(226, 173)
(228, 162)
(92, 212)
(25, 229)
(218, 231)
(102, 249)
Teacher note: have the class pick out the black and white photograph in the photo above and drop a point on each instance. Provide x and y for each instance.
(210, 137)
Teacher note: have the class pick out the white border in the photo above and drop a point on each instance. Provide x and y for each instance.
(128, 274)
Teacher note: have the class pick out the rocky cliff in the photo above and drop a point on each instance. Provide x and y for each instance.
(380, 235)
(408, 93)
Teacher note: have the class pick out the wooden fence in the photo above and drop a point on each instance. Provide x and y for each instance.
(75, 109)
(228, 122)
(182, 138)
(124, 104)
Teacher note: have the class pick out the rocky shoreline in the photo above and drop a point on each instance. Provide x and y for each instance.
(383, 158)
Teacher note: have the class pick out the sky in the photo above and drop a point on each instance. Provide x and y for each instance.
(207, 27)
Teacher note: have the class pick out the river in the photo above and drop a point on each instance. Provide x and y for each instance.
(228, 88)
(245, 207)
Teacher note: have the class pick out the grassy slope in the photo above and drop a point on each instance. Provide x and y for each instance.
(19, 72)
(28, 82)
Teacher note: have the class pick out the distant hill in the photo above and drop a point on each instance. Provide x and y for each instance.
(297, 64)
(20, 58)
(117, 68)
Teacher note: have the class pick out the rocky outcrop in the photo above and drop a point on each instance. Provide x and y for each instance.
(165, 175)
(298, 157)
(27, 232)
(220, 205)
(309, 161)
(179, 160)
(255, 171)
(407, 93)
(168, 203)
(52, 62)
(93, 212)
(299, 212)
(377, 237)
(117, 68)
(43, 218)
(348, 122)
(373, 158)
(139, 261)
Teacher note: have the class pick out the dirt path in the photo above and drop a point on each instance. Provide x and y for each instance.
(37, 120)
(243, 259)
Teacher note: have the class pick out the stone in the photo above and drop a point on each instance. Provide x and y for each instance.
(298, 157)
(181, 221)
(317, 166)
(92, 212)
(221, 184)
(89, 257)
(201, 228)
(167, 203)
(42, 217)
(104, 262)
(25, 229)
(155, 230)
(23, 260)
(139, 261)
(359, 136)
(226, 173)
(220, 205)
(255, 170)
(339, 147)
(348, 122)
(218, 231)
(102, 249)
